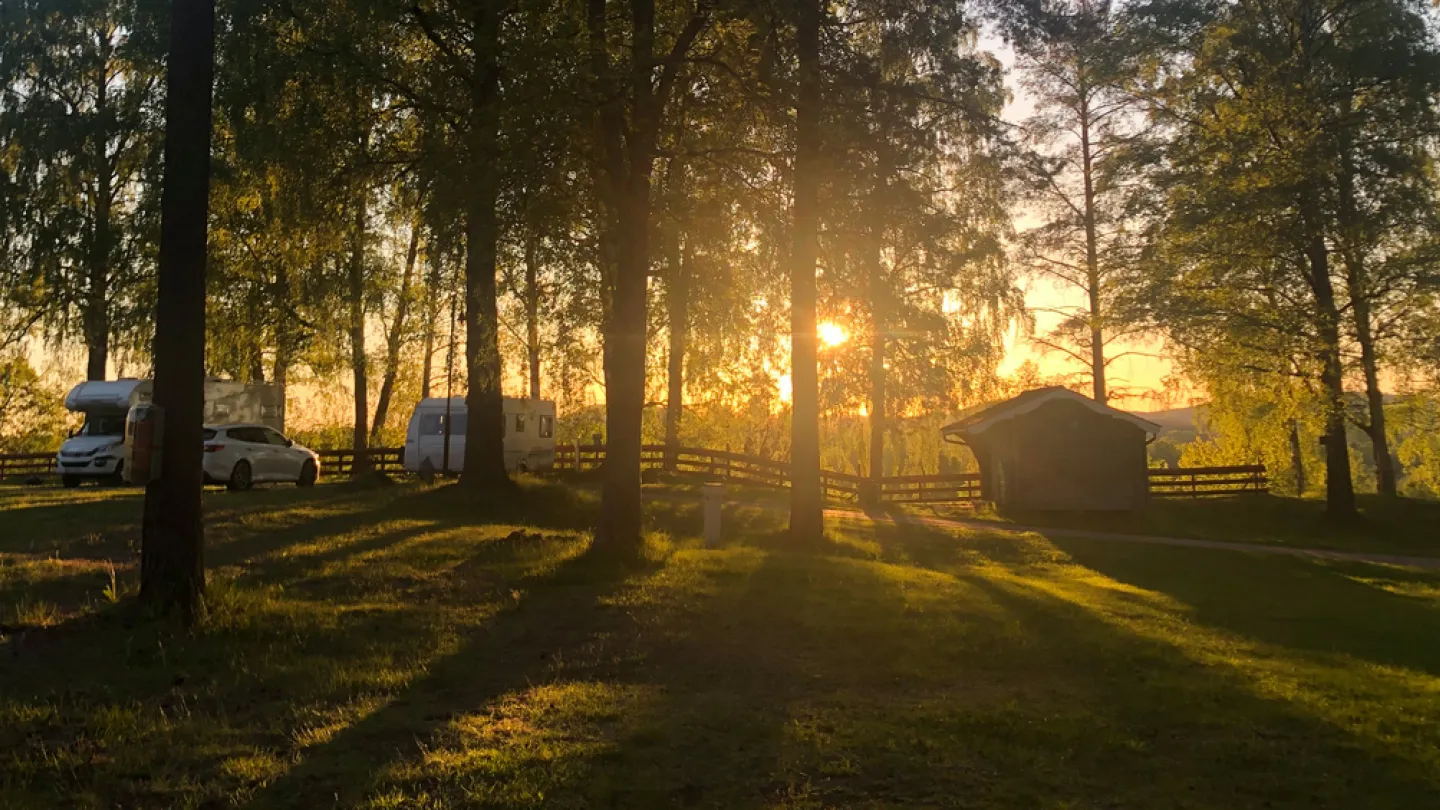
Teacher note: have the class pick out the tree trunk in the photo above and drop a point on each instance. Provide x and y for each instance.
(393, 340)
(532, 311)
(807, 508)
(1339, 488)
(1092, 261)
(879, 311)
(172, 567)
(484, 464)
(1385, 477)
(625, 159)
(432, 318)
(285, 337)
(628, 171)
(1297, 457)
(679, 262)
(96, 317)
(356, 296)
(878, 295)
(1358, 285)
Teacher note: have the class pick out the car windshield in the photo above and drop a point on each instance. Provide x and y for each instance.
(103, 426)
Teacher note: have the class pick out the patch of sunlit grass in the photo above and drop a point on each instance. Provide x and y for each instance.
(421, 647)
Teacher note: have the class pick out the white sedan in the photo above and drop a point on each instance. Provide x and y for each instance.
(242, 455)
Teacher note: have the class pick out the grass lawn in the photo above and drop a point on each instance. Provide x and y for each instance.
(406, 647)
(1401, 526)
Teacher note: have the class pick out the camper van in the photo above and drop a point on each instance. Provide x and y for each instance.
(529, 435)
(96, 452)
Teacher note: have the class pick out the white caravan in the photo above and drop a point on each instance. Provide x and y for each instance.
(529, 435)
(96, 451)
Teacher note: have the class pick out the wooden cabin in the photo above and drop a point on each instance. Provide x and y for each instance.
(1052, 449)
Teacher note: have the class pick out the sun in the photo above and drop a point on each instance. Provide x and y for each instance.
(832, 334)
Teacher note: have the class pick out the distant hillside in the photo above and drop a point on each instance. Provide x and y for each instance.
(1177, 424)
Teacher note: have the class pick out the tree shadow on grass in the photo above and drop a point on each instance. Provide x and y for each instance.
(1150, 720)
(692, 702)
(554, 614)
(1299, 603)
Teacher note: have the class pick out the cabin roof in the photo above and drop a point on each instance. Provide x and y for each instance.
(981, 420)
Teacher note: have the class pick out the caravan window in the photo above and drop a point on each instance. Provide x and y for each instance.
(520, 423)
(433, 424)
(547, 427)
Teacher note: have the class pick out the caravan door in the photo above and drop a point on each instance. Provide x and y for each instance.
(430, 439)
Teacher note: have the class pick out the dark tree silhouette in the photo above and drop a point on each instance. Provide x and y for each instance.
(172, 561)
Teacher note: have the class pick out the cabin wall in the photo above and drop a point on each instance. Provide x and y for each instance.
(1063, 456)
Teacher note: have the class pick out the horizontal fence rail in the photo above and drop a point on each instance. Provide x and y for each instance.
(724, 465)
(1192, 482)
(342, 462)
(26, 465)
(1200, 482)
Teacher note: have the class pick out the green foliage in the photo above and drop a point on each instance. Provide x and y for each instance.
(1414, 422)
(32, 416)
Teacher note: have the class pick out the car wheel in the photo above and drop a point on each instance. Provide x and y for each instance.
(522, 468)
(308, 474)
(117, 478)
(70, 481)
(240, 477)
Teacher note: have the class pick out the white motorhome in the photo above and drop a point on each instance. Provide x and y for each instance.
(96, 451)
(529, 435)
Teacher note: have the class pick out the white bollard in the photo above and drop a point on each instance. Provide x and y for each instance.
(713, 496)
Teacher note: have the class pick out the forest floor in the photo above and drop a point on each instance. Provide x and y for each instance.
(413, 647)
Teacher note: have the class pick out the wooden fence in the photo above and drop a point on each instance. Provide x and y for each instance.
(723, 465)
(26, 465)
(1201, 482)
(342, 462)
(948, 488)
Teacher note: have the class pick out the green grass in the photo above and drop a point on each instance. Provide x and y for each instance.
(1399, 526)
(406, 648)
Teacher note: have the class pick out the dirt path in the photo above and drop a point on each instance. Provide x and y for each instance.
(1143, 539)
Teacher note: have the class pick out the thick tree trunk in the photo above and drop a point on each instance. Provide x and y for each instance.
(484, 464)
(394, 339)
(628, 171)
(1339, 487)
(358, 365)
(532, 310)
(807, 507)
(625, 160)
(172, 567)
(620, 526)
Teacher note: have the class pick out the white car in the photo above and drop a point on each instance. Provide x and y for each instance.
(241, 455)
